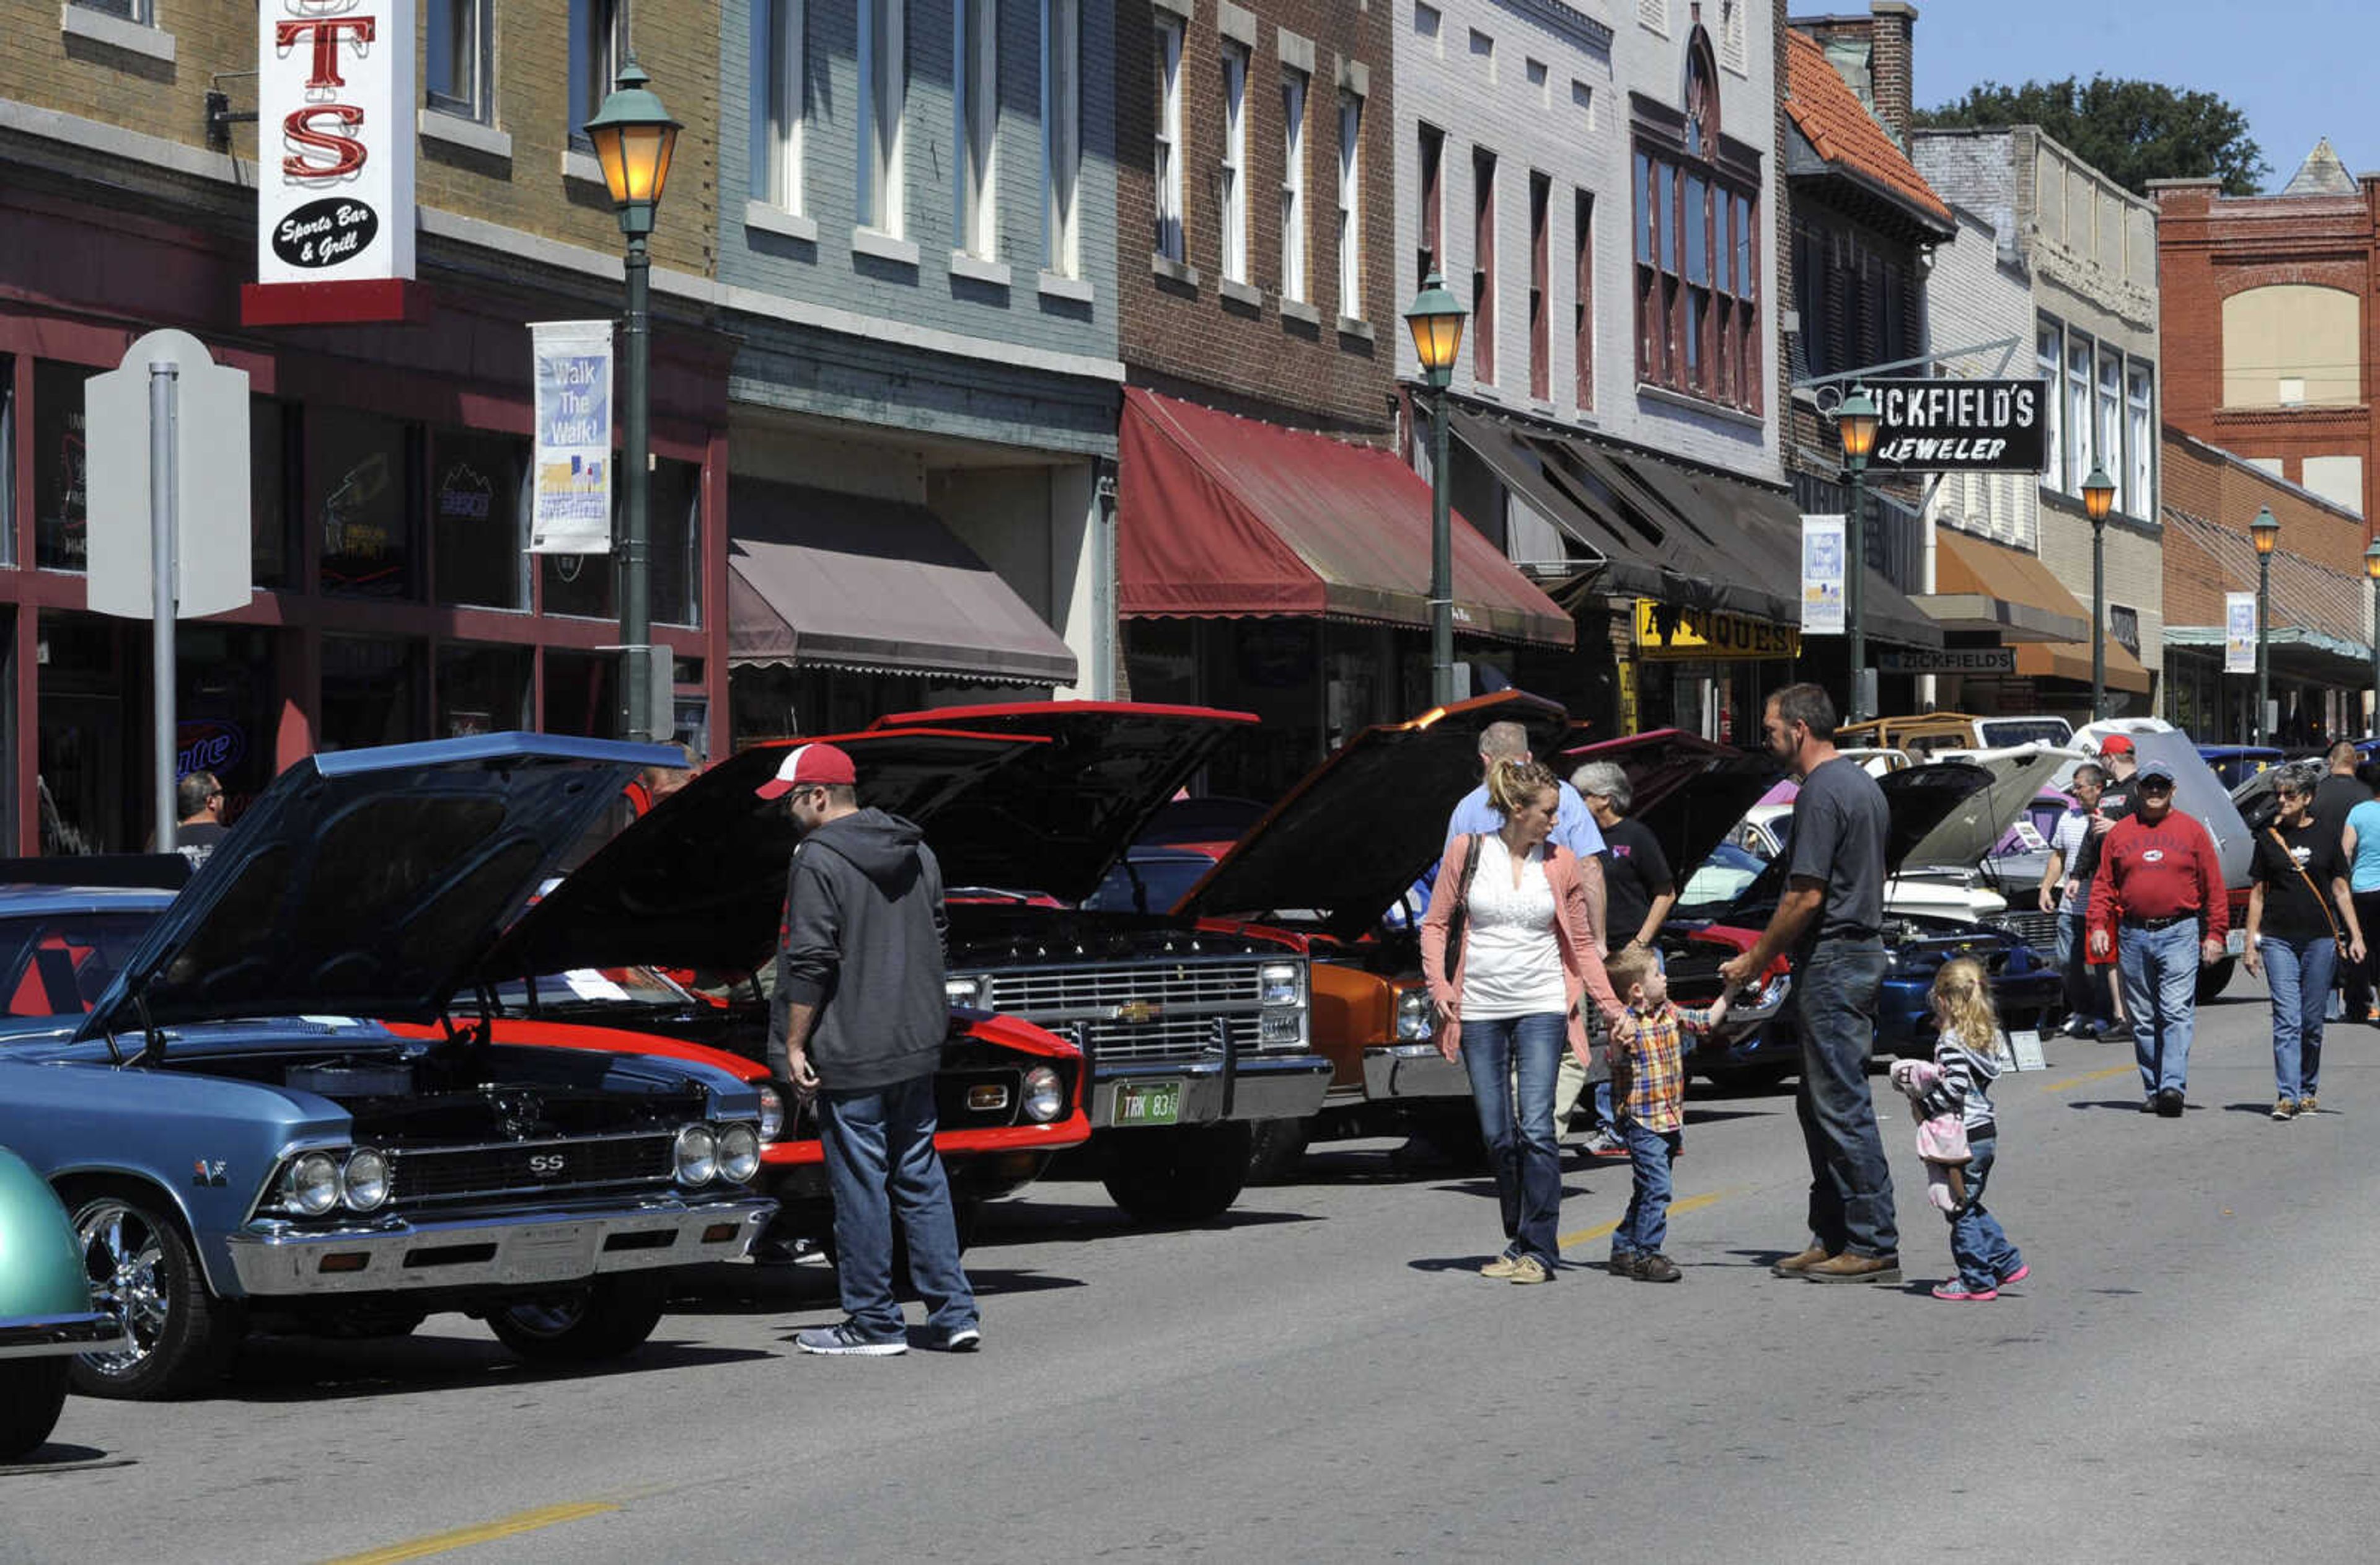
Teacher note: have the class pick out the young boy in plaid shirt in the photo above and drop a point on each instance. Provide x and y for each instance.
(1648, 1079)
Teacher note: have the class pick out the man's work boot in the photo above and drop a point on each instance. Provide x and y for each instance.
(1847, 1267)
(1795, 1266)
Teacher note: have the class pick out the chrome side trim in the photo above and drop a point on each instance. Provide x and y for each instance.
(46, 1336)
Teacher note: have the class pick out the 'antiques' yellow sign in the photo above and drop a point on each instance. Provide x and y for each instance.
(1666, 632)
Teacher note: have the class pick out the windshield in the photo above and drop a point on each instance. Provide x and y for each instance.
(60, 962)
(1721, 879)
(601, 986)
(1163, 880)
(2008, 733)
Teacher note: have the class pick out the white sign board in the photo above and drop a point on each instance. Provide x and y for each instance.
(334, 98)
(2238, 633)
(1822, 575)
(211, 556)
(571, 508)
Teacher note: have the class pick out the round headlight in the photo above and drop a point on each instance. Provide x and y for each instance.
(367, 1180)
(697, 1155)
(1045, 1095)
(772, 1114)
(313, 1186)
(739, 1153)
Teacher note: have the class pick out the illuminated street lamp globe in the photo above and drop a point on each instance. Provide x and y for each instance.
(633, 136)
(1435, 321)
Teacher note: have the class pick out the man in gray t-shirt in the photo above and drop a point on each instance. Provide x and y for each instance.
(1828, 916)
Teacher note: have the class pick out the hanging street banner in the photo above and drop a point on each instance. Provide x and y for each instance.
(1679, 633)
(1822, 575)
(571, 507)
(335, 121)
(2238, 633)
(1960, 426)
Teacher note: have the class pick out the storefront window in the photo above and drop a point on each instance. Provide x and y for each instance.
(475, 516)
(360, 501)
(578, 694)
(7, 463)
(273, 466)
(483, 689)
(580, 584)
(83, 791)
(227, 702)
(373, 692)
(60, 542)
(587, 585)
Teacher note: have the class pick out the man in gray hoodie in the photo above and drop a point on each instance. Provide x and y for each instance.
(857, 1022)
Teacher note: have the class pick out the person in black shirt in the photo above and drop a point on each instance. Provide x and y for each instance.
(199, 801)
(2295, 938)
(1637, 895)
(2334, 797)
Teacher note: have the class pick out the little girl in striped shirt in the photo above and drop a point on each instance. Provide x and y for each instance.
(1967, 1054)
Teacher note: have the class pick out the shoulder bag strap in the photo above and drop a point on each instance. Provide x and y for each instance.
(2319, 900)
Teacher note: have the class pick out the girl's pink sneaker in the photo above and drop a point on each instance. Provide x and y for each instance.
(1955, 1292)
(2023, 1271)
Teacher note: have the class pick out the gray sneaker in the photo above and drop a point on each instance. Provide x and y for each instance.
(851, 1337)
(958, 1339)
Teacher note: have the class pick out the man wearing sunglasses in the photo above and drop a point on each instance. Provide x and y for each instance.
(2157, 903)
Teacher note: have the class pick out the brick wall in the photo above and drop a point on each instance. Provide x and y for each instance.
(1181, 334)
(2220, 488)
(1888, 30)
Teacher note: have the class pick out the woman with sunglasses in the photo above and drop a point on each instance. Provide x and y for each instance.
(2158, 905)
(2294, 937)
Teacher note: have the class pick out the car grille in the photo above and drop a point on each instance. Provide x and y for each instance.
(527, 1167)
(2036, 929)
(1152, 1011)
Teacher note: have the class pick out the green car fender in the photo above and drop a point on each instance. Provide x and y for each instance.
(41, 1262)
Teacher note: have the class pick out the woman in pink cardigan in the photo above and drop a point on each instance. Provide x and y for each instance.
(1511, 951)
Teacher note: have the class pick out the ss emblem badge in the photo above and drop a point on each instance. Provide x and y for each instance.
(546, 1165)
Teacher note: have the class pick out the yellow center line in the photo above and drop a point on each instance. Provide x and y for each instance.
(486, 1532)
(2090, 1076)
(1605, 1230)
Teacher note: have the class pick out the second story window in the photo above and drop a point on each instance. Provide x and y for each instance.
(1483, 266)
(1351, 190)
(778, 37)
(461, 34)
(2048, 348)
(884, 84)
(2140, 442)
(1697, 254)
(1232, 184)
(1168, 156)
(1541, 304)
(1429, 255)
(1582, 301)
(1292, 184)
(1061, 136)
(594, 61)
(977, 107)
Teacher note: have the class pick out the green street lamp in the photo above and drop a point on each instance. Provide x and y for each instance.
(1435, 321)
(2267, 533)
(1855, 422)
(2372, 569)
(634, 137)
(2098, 499)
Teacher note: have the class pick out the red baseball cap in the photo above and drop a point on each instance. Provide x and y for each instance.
(2115, 744)
(809, 766)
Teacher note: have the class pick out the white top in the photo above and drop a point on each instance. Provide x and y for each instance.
(1511, 965)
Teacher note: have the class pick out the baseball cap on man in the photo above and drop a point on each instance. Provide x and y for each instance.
(2156, 772)
(809, 766)
(2115, 744)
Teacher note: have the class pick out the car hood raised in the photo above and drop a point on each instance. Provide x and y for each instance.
(1974, 825)
(369, 883)
(700, 879)
(2198, 792)
(1058, 816)
(1689, 790)
(1350, 837)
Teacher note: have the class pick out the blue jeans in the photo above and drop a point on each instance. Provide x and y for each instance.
(1977, 1241)
(1645, 1226)
(1526, 1157)
(2160, 971)
(879, 1156)
(1834, 992)
(2086, 986)
(2297, 973)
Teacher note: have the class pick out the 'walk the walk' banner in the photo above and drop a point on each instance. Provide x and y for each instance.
(1822, 575)
(2238, 633)
(572, 511)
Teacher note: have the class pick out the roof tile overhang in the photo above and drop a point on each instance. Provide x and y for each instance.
(1846, 140)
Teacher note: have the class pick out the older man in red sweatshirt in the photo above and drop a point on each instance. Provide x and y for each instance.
(2157, 901)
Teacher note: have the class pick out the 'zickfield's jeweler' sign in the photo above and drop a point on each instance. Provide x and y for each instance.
(334, 162)
(1960, 426)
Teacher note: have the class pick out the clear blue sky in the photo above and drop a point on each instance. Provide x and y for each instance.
(2298, 69)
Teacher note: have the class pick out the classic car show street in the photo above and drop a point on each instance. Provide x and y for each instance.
(1320, 1373)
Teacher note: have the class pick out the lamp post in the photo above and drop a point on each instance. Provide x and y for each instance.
(633, 136)
(2372, 569)
(2266, 532)
(1855, 423)
(2098, 499)
(1435, 321)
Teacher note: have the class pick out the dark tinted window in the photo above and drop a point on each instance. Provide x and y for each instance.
(58, 963)
(474, 518)
(358, 499)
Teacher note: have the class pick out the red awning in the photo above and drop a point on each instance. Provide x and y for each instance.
(1224, 516)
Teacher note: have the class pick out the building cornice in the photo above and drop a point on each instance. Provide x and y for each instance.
(1566, 20)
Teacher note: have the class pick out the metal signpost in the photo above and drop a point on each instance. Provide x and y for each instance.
(168, 457)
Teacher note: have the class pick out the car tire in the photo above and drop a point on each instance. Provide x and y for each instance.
(1179, 1174)
(2213, 982)
(1278, 1150)
(141, 1265)
(32, 1394)
(608, 1319)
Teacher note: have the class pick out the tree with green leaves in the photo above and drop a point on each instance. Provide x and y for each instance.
(2131, 131)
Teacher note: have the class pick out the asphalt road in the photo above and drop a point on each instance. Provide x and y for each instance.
(2186, 1375)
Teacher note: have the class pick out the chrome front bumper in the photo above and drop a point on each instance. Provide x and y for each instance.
(1405, 1071)
(45, 1336)
(562, 1243)
(1286, 1086)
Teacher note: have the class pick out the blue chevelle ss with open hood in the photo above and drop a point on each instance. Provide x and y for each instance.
(242, 1145)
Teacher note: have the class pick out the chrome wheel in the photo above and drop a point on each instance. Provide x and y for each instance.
(548, 1317)
(125, 1261)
